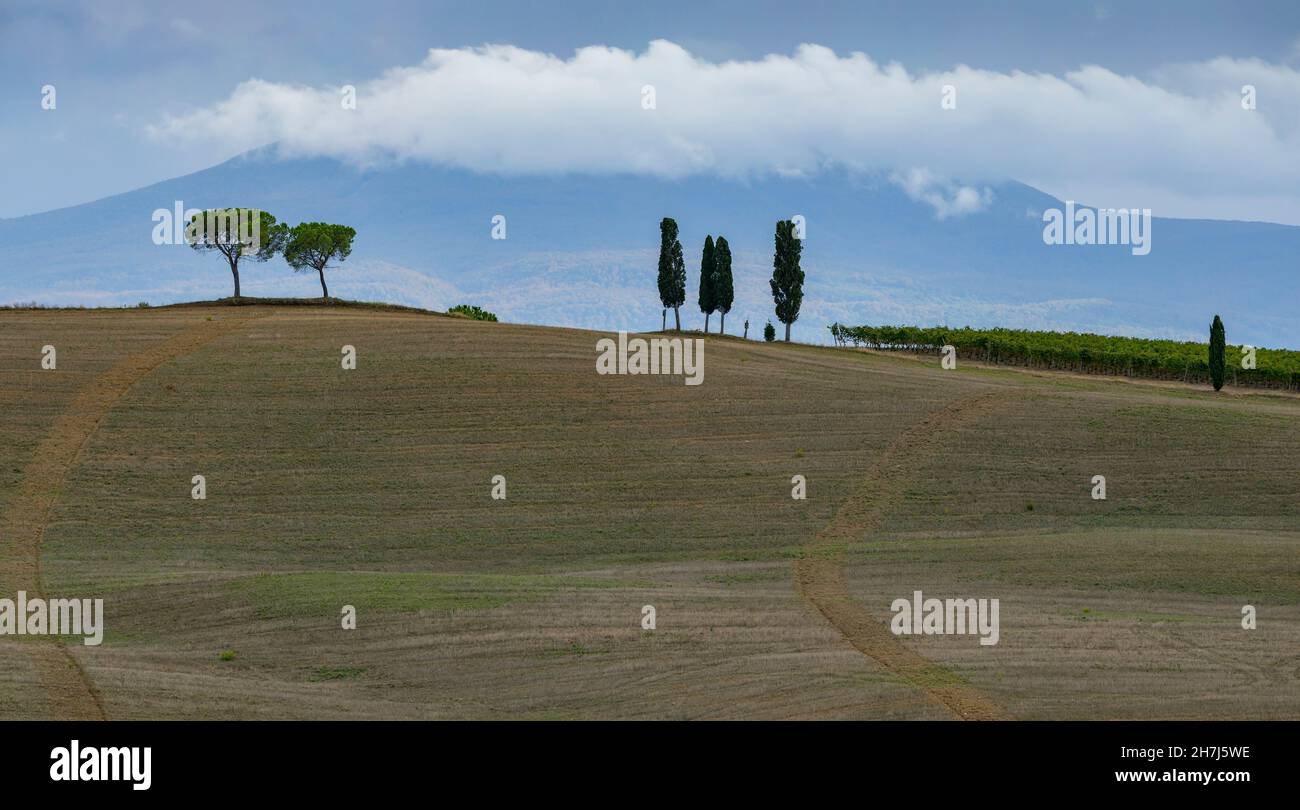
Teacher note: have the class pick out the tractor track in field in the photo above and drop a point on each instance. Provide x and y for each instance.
(71, 693)
(820, 570)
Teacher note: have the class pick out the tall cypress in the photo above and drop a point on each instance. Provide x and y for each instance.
(707, 269)
(723, 292)
(679, 282)
(672, 269)
(1217, 347)
(787, 278)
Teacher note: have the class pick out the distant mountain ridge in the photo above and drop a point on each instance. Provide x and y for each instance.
(581, 250)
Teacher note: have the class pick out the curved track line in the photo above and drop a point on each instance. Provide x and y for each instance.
(820, 571)
(72, 695)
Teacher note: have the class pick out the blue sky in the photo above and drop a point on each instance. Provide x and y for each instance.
(122, 69)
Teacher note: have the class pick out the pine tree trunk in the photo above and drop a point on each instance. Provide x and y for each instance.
(324, 290)
(234, 271)
(722, 325)
(677, 316)
(706, 322)
(787, 333)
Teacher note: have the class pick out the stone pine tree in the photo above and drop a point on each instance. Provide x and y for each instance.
(707, 269)
(787, 278)
(237, 234)
(724, 294)
(313, 245)
(672, 269)
(1217, 347)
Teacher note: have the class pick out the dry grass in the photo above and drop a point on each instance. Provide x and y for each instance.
(371, 487)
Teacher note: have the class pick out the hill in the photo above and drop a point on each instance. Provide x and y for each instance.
(372, 488)
(581, 251)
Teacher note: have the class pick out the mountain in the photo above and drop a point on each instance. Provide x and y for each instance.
(581, 250)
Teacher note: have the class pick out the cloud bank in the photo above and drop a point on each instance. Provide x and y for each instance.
(1177, 141)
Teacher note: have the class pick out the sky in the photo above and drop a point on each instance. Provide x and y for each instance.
(1134, 104)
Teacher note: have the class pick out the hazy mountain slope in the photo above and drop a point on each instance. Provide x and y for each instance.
(581, 250)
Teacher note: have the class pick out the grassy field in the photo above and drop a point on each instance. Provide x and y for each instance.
(371, 487)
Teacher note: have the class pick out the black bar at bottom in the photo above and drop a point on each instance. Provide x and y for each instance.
(334, 760)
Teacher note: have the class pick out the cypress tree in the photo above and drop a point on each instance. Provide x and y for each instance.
(1217, 347)
(672, 269)
(724, 294)
(707, 269)
(679, 282)
(787, 278)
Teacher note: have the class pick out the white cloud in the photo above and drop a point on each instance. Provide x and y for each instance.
(947, 198)
(1176, 141)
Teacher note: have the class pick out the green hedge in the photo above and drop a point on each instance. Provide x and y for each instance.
(1081, 351)
(472, 312)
